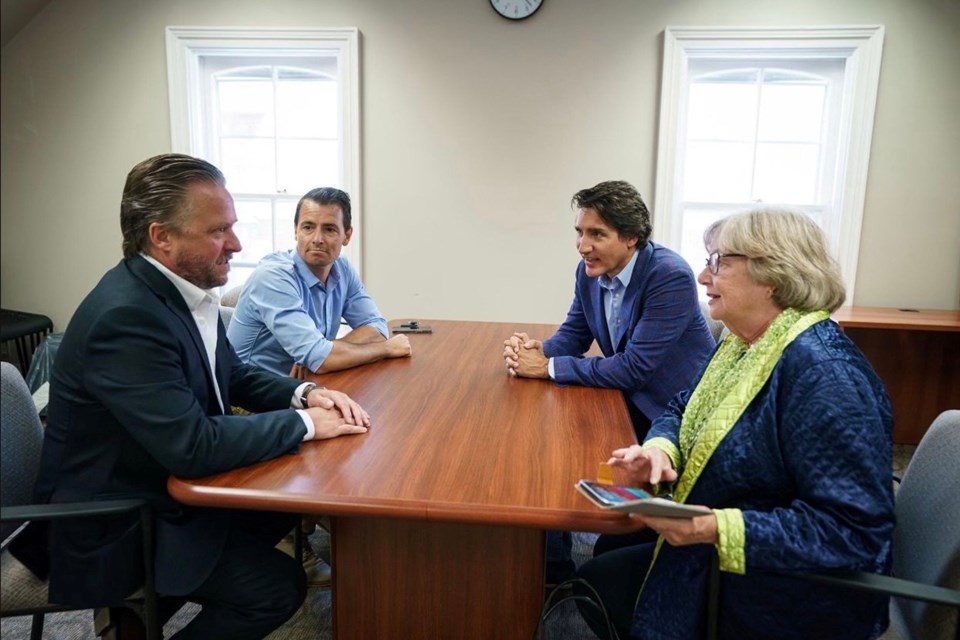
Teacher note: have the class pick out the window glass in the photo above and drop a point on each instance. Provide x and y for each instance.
(791, 112)
(246, 106)
(307, 108)
(786, 173)
(254, 228)
(305, 164)
(718, 171)
(248, 164)
(721, 110)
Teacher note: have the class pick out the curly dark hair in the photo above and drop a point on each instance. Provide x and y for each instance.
(619, 204)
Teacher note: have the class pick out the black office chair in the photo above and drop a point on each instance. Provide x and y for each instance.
(27, 330)
(925, 584)
(22, 436)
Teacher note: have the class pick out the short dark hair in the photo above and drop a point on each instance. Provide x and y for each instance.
(620, 206)
(327, 195)
(156, 191)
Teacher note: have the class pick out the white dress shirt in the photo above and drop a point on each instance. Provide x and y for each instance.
(204, 306)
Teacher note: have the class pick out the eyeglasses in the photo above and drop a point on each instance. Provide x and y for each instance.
(714, 260)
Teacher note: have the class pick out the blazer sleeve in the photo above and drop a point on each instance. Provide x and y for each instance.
(257, 389)
(138, 367)
(668, 305)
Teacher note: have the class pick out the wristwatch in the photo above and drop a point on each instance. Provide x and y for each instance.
(306, 391)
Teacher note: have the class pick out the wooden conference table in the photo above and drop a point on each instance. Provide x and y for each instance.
(439, 511)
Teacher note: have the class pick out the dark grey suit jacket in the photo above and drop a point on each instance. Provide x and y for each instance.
(131, 402)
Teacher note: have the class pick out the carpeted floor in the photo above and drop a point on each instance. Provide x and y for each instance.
(313, 621)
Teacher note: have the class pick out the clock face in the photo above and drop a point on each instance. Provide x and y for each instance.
(516, 9)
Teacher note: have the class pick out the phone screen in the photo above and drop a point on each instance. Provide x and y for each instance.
(611, 495)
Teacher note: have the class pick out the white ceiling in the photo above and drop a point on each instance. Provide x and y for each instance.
(14, 16)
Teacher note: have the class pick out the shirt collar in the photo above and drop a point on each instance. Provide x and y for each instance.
(624, 276)
(192, 294)
(309, 276)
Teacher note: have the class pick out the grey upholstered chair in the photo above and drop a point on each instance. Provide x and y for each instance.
(925, 584)
(21, 439)
(926, 542)
(230, 298)
(226, 314)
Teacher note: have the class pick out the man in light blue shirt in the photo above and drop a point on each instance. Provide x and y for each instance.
(289, 311)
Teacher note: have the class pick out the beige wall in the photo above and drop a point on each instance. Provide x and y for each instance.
(476, 131)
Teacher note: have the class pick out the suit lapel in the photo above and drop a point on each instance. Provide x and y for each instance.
(167, 292)
(632, 308)
(600, 331)
(223, 365)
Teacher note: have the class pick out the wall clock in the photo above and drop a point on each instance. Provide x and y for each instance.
(516, 9)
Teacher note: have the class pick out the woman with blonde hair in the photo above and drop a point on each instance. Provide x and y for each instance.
(786, 436)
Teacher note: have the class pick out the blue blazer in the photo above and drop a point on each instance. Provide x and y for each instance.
(131, 402)
(664, 343)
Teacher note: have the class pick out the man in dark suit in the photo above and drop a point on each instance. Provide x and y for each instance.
(142, 388)
(638, 300)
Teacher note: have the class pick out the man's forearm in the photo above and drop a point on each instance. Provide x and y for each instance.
(346, 355)
(363, 335)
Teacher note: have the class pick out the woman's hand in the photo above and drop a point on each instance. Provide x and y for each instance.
(644, 466)
(683, 531)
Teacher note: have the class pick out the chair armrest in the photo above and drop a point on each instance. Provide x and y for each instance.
(61, 510)
(889, 585)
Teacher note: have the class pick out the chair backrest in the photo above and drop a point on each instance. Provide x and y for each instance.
(926, 541)
(226, 314)
(21, 438)
(716, 327)
(230, 298)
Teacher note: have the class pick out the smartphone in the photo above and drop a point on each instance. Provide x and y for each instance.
(609, 495)
(412, 327)
(403, 329)
(629, 499)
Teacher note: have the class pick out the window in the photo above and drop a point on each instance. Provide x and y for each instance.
(278, 112)
(766, 116)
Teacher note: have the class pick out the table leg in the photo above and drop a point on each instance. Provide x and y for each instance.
(396, 578)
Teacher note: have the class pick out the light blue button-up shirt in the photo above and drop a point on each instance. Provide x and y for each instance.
(613, 290)
(285, 315)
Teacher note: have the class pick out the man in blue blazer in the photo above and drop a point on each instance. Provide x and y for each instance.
(142, 388)
(638, 301)
(635, 298)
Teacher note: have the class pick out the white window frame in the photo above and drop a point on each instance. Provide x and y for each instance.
(185, 47)
(859, 46)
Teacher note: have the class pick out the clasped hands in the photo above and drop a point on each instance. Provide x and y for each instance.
(646, 467)
(524, 357)
(334, 413)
